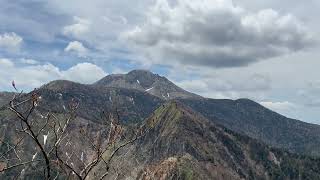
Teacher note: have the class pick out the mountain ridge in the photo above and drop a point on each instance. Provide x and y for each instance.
(243, 116)
(183, 143)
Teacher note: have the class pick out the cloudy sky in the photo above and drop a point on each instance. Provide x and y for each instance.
(265, 50)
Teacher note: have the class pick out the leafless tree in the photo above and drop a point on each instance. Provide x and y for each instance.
(51, 132)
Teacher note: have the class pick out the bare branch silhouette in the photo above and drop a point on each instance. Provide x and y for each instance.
(52, 136)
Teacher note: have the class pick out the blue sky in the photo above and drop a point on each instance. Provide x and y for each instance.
(263, 50)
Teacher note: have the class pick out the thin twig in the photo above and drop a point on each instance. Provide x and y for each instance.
(20, 164)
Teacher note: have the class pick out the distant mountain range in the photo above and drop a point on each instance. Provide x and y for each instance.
(192, 137)
(135, 101)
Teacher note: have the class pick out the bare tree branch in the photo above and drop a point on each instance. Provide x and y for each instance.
(17, 165)
(105, 143)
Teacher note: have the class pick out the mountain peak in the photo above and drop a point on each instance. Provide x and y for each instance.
(146, 81)
(140, 72)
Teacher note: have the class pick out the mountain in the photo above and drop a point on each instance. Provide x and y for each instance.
(179, 143)
(187, 136)
(182, 144)
(146, 81)
(135, 104)
(243, 116)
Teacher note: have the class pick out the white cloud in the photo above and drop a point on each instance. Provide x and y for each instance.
(117, 70)
(84, 72)
(32, 76)
(29, 61)
(6, 63)
(77, 30)
(215, 33)
(77, 48)
(197, 86)
(227, 86)
(292, 110)
(10, 42)
(280, 107)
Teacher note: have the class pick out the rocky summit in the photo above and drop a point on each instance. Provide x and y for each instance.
(146, 81)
